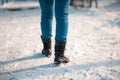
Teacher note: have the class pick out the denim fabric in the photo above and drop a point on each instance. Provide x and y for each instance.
(61, 16)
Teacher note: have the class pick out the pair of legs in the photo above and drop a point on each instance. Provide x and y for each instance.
(61, 16)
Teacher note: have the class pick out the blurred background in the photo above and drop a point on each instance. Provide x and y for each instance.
(6, 1)
(17, 4)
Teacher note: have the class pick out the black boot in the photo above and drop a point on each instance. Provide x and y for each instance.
(59, 53)
(47, 47)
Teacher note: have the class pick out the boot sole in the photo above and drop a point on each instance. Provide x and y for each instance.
(62, 62)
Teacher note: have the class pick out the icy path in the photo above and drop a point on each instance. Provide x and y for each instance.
(93, 47)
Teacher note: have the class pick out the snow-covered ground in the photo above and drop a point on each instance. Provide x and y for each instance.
(93, 46)
(20, 4)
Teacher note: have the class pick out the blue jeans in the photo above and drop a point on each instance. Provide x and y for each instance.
(61, 16)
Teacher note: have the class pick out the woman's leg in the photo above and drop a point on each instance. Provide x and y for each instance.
(46, 25)
(46, 18)
(61, 15)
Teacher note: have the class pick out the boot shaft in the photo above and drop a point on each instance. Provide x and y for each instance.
(59, 48)
(46, 43)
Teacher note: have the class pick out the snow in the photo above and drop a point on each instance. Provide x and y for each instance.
(93, 46)
(20, 4)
